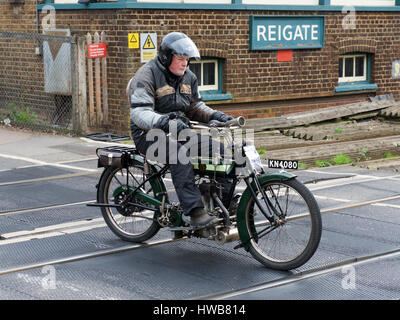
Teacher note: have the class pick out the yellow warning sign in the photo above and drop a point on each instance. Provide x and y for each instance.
(148, 44)
(133, 40)
(148, 55)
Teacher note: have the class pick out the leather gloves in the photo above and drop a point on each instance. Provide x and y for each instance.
(169, 121)
(220, 116)
(215, 123)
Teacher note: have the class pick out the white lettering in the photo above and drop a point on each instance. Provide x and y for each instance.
(298, 33)
(349, 21)
(170, 310)
(261, 33)
(314, 32)
(306, 27)
(287, 35)
(349, 280)
(279, 33)
(49, 20)
(271, 32)
(49, 281)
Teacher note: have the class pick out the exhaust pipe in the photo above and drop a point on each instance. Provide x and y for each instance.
(230, 235)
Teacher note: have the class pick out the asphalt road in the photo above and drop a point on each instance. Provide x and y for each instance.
(54, 247)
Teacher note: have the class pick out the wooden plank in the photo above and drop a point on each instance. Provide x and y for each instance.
(319, 115)
(90, 82)
(82, 88)
(104, 81)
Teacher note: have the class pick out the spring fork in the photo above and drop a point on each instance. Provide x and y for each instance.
(270, 215)
(266, 198)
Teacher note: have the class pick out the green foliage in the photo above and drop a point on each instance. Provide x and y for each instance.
(302, 165)
(338, 130)
(322, 163)
(363, 153)
(261, 151)
(25, 116)
(342, 159)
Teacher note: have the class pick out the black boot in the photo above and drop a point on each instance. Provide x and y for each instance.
(200, 218)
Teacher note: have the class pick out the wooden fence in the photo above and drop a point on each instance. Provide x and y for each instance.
(97, 84)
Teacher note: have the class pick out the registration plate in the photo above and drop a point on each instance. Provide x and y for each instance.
(283, 164)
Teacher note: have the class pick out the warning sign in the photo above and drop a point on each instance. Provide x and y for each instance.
(133, 40)
(97, 50)
(148, 46)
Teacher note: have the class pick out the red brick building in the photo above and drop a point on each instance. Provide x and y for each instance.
(356, 53)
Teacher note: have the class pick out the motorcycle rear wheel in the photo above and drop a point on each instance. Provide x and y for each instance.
(130, 224)
(294, 238)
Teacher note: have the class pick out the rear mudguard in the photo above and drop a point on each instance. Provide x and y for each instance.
(244, 234)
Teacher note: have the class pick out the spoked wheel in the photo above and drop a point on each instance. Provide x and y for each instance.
(293, 238)
(130, 223)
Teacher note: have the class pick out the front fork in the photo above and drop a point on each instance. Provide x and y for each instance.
(273, 214)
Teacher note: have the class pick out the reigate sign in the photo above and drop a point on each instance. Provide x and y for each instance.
(286, 32)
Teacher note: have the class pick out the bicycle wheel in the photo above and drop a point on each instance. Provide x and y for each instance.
(132, 223)
(292, 240)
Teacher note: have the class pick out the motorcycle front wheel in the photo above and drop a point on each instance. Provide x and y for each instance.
(131, 223)
(293, 238)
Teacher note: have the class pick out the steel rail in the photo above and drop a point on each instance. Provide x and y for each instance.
(55, 206)
(85, 256)
(57, 177)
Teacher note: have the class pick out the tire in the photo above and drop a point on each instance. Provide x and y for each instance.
(132, 224)
(295, 239)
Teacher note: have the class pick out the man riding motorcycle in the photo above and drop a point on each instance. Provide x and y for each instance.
(163, 94)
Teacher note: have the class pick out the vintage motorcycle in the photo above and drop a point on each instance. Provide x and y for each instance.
(276, 218)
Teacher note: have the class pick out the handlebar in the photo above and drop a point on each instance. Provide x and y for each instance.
(239, 121)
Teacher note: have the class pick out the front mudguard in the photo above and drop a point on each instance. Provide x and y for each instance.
(244, 234)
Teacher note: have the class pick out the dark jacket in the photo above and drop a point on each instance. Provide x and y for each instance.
(155, 91)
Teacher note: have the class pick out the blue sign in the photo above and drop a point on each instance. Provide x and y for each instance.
(286, 32)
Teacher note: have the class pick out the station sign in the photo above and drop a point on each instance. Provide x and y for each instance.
(286, 32)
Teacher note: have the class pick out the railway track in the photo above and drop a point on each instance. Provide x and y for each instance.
(83, 225)
(51, 231)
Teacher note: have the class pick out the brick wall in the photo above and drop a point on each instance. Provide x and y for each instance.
(18, 17)
(259, 85)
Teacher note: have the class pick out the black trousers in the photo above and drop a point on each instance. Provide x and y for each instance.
(165, 149)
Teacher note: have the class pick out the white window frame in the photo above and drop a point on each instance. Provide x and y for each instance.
(283, 2)
(344, 79)
(208, 87)
(364, 3)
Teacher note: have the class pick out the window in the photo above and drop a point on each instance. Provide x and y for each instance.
(353, 68)
(209, 75)
(206, 72)
(355, 72)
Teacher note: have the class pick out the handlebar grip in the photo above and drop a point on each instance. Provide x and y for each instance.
(239, 121)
